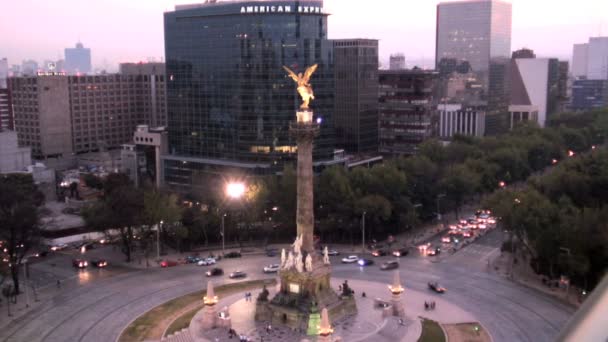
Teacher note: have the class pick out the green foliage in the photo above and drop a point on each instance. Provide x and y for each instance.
(93, 181)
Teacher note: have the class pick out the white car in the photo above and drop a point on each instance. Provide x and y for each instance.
(350, 259)
(271, 268)
(59, 247)
(206, 262)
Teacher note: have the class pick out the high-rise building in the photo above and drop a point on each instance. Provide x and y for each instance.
(6, 110)
(589, 94)
(477, 33)
(356, 111)
(579, 60)
(230, 100)
(3, 72)
(597, 58)
(535, 82)
(523, 53)
(78, 60)
(405, 109)
(397, 62)
(58, 115)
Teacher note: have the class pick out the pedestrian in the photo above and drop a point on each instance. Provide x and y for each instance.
(426, 306)
(58, 283)
(363, 294)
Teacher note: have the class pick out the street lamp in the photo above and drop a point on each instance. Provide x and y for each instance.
(363, 230)
(234, 190)
(439, 213)
(158, 240)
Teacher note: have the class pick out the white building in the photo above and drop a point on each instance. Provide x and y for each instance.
(579, 60)
(12, 157)
(532, 75)
(456, 119)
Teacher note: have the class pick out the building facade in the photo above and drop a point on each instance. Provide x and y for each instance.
(523, 53)
(59, 115)
(397, 62)
(477, 35)
(579, 60)
(6, 110)
(589, 94)
(356, 110)
(405, 109)
(590, 60)
(455, 119)
(230, 100)
(12, 157)
(78, 60)
(3, 72)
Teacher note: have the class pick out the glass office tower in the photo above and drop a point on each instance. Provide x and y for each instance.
(478, 32)
(229, 100)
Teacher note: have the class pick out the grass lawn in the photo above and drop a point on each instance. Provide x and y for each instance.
(431, 332)
(469, 332)
(152, 324)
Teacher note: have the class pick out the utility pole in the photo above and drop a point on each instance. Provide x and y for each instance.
(223, 236)
(158, 227)
(27, 298)
(438, 212)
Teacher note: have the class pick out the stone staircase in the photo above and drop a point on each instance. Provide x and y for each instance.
(180, 336)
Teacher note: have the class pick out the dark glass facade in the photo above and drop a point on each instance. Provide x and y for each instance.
(356, 113)
(229, 100)
(589, 94)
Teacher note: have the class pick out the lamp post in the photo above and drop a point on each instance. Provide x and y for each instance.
(438, 212)
(158, 239)
(234, 190)
(27, 298)
(363, 230)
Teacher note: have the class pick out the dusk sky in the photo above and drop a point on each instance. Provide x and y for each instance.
(132, 30)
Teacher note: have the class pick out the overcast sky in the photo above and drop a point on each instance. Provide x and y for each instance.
(132, 30)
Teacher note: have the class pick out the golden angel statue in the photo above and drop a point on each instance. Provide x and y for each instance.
(304, 87)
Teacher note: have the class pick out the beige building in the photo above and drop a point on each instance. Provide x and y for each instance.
(59, 115)
(12, 157)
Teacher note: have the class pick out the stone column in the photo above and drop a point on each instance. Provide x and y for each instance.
(305, 131)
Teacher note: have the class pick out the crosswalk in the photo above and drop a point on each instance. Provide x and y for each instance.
(473, 253)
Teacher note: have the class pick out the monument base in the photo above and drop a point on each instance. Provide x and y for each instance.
(210, 318)
(299, 296)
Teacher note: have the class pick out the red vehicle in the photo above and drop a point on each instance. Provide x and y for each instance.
(168, 263)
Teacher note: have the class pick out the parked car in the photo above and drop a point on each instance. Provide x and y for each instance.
(237, 274)
(365, 262)
(99, 263)
(403, 251)
(271, 268)
(206, 262)
(192, 259)
(59, 247)
(215, 272)
(350, 259)
(434, 251)
(80, 263)
(436, 287)
(232, 255)
(389, 265)
(379, 252)
(168, 263)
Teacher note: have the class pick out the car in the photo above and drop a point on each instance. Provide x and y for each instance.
(168, 263)
(379, 252)
(214, 272)
(466, 234)
(365, 262)
(232, 255)
(99, 263)
(272, 252)
(193, 259)
(403, 251)
(350, 259)
(446, 239)
(59, 247)
(435, 250)
(237, 274)
(389, 265)
(206, 262)
(87, 246)
(271, 268)
(436, 287)
(80, 263)
(333, 252)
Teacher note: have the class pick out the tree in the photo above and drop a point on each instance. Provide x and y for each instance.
(121, 208)
(158, 207)
(377, 209)
(20, 201)
(93, 181)
(459, 184)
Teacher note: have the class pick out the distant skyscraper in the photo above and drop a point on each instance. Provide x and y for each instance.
(78, 60)
(229, 100)
(397, 62)
(356, 113)
(3, 72)
(479, 32)
(29, 67)
(589, 94)
(523, 53)
(6, 109)
(597, 58)
(579, 60)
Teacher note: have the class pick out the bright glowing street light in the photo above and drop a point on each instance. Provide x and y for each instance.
(235, 190)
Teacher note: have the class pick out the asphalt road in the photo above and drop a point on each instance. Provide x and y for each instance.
(96, 305)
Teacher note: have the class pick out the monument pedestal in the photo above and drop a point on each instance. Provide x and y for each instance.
(397, 306)
(210, 318)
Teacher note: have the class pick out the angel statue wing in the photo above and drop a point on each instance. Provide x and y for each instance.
(309, 72)
(291, 74)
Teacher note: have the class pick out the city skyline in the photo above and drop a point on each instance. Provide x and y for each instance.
(139, 26)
